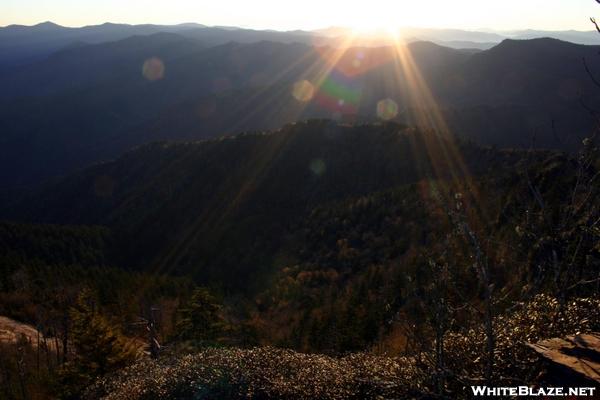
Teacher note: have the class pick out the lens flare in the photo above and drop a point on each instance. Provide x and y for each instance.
(318, 166)
(153, 69)
(303, 91)
(339, 94)
(387, 109)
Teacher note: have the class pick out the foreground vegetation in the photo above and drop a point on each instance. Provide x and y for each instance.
(271, 373)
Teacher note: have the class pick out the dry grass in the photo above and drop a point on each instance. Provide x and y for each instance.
(14, 332)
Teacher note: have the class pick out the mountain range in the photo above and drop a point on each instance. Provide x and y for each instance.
(20, 44)
(91, 102)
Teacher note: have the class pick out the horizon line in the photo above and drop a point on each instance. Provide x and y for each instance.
(331, 27)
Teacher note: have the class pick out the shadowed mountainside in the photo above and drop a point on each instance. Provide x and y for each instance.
(321, 237)
(222, 207)
(65, 117)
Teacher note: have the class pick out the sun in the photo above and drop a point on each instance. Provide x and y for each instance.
(376, 24)
(375, 28)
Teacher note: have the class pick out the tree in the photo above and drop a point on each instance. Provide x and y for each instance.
(200, 320)
(98, 347)
(562, 236)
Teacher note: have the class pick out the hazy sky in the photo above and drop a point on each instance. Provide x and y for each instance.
(309, 14)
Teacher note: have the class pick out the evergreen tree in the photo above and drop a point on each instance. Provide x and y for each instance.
(98, 347)
(200, 321)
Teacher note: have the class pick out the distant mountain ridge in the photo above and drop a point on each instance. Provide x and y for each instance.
(20, 44)
(91, 103)
(25, 44)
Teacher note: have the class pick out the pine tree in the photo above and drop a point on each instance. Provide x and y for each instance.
(200, 320)
(98, 346)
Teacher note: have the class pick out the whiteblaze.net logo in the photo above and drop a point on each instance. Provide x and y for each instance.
(488, 391)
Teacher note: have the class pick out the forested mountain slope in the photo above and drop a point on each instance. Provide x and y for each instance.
(224, 209)
(321, 237)
(166, 86)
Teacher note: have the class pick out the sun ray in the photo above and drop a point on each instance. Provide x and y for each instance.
(440, 143)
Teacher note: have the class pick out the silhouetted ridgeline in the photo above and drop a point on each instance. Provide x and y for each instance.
(90, 103)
